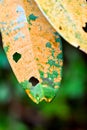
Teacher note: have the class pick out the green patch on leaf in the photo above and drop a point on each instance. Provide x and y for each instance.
(48, 44)
(6, 48)
(26, 85)
(31, 17)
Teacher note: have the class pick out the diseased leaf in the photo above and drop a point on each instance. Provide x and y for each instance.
(33, 48)
(69, 18)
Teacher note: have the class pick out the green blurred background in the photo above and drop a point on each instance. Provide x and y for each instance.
(68, 111)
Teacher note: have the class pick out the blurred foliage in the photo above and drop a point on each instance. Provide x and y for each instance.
(68, 110)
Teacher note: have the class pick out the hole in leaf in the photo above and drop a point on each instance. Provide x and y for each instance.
(60, 27)
(34, 81)
(78, 47)
(16, 57)
(85, 28)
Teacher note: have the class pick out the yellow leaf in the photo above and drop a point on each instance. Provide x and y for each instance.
(69, 18)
